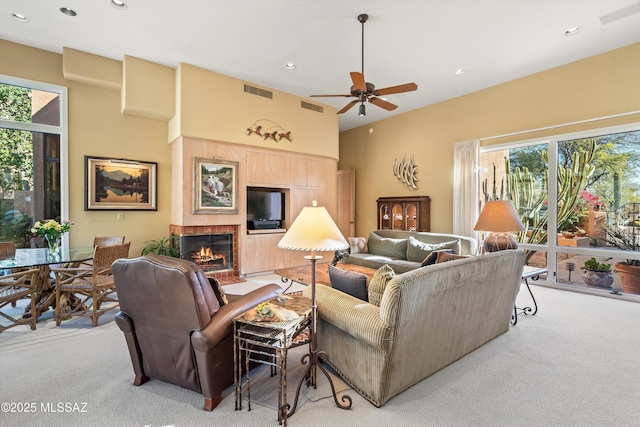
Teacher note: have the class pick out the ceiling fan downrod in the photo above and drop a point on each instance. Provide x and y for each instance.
(363, 18)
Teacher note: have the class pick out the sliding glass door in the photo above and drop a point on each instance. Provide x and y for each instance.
(578, 197)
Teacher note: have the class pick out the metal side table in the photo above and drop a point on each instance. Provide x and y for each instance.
(267, 343)
(532, 273)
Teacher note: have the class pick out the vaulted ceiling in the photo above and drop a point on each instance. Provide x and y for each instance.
(425, 42)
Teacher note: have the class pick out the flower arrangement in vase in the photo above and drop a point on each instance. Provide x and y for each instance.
(51, 230)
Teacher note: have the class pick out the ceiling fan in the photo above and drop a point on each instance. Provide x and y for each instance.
(365, 91)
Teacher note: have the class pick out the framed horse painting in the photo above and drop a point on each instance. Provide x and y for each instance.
(215, 186)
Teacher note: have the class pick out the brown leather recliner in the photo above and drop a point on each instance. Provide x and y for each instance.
(174, 326)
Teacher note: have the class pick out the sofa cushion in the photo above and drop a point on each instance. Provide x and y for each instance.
(433, 257)
(349, 282)
(377, 261)
(444, 257)
(378, 283)
(417, 251)
(394, 248)
(357, 245)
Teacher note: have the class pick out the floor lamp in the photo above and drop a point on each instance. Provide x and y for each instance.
(314, 231)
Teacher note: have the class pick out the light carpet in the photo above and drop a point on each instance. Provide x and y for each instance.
(574, 363)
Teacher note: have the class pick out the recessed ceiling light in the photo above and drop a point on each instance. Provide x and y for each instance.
(19, 18)
(118, 4)
(67, 11)
(459, 71)
(290, 65)
(572, 31)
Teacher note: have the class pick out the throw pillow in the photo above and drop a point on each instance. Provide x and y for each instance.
(433, 257)
(378, 283)
(417, 251)
(357, 245)
(384, 246)
(349, 282)
(444, 257)
(217, 289)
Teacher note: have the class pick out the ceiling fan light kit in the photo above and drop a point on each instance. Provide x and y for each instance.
(364, 91)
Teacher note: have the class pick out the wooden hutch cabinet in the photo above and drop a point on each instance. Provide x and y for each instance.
(404, 213)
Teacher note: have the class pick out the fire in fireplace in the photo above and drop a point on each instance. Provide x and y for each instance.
(212, 252)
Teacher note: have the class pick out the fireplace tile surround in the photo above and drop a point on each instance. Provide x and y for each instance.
(213, 229)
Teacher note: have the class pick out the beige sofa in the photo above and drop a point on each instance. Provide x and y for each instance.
(402, 250)
(428, 318)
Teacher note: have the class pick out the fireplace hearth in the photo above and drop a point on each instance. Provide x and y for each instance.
(212, 252)
(213, 267)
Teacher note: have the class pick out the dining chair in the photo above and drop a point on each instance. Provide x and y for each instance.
(107, 240)
(98, 241)
(15, 286)
(7, 250)
(94, 284)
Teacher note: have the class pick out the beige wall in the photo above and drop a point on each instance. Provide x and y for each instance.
(133, 117)
(97, 128)
(216, 107)
(599, 86)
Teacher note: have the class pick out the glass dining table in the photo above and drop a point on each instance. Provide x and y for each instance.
(43, 259)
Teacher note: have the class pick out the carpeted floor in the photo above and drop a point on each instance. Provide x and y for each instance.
(573, 364)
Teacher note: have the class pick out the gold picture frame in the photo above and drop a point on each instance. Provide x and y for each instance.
(215, 186)
(120, 184)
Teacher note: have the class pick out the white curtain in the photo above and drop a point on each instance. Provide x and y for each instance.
(466, 190)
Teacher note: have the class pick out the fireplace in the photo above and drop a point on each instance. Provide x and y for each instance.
(212, 252)
(213, 248)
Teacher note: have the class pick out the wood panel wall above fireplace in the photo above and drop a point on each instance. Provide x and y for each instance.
(303, 177)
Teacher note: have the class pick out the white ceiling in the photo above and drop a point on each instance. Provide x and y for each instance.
(405, 41)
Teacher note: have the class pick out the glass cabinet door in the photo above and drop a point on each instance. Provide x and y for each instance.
(385, 217)
(398, 217)
(411, 216)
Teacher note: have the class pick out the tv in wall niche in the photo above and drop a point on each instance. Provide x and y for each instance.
(215, 186)
(265, 208)
(119, 184)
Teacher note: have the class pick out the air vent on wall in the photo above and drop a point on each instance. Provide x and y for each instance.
(311, 107)
(257, 91)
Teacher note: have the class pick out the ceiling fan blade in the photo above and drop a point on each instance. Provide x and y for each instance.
(382, 103)
(358, 81)
(408, 87)
(325, 96)
(348, 106)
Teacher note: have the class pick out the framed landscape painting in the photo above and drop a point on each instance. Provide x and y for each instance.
(119, 184)
(215, 186)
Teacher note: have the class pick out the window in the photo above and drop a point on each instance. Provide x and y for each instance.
(574, 194)
(32, 156)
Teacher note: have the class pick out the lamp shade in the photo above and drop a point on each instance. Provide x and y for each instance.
(499, 216)
(313, 230)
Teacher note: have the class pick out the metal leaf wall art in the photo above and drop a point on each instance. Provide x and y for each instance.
(268, 129)
(406, 171)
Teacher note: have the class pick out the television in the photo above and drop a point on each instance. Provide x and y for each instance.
(265, 208)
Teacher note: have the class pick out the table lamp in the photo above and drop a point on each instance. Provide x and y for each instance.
(314, 231)
(499, 218)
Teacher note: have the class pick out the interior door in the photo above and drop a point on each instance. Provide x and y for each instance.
(346, 220)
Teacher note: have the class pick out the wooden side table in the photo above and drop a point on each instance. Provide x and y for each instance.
(532, 273)
(267, 343)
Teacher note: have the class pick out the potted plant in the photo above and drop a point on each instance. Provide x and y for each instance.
(629, 269)
(597, 274)
(160, 247)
